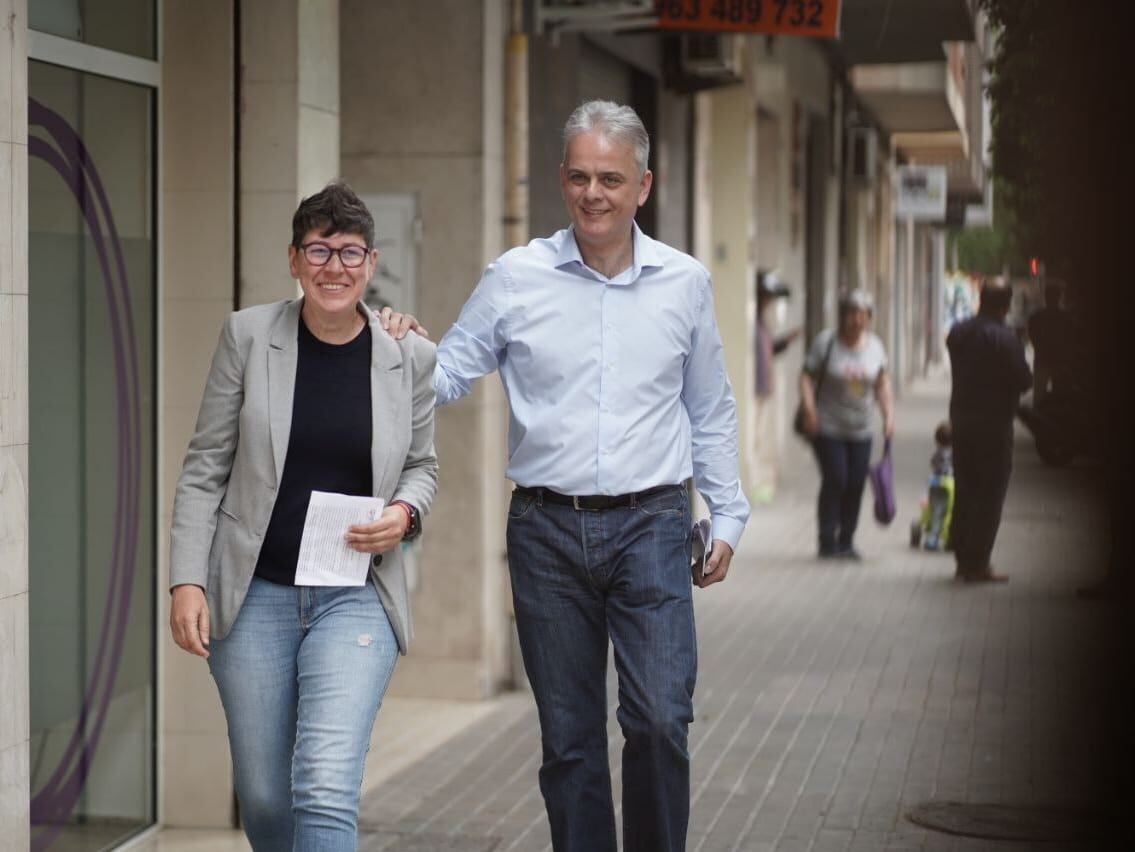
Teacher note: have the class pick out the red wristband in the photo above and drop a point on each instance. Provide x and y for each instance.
(409, 514)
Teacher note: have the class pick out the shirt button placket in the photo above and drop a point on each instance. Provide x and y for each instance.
(604, 389)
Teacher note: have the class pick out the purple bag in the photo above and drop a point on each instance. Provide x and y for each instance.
(882, 476)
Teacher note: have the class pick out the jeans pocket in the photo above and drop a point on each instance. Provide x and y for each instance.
(669, 502)
(520, 505)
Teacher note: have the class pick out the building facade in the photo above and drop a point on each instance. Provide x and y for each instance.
(151, 155)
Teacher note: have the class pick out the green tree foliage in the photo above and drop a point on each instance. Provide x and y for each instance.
(978, 250)
(1060, 93)
(989, 250)
(1056, 84)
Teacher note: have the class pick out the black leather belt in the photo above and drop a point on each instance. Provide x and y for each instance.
(592, 502)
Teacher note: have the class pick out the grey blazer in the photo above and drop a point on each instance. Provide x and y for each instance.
(228, 482)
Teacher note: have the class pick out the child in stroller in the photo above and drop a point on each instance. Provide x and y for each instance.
(932, 529)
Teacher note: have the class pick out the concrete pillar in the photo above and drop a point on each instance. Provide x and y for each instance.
(672, 169)
(859, 222)
(289, 130)
(916, 312)
(900, 357)
(423, 97)
(937, 280)
(197, 293)
(289, 147)
(726, 168)
(14, 719)
(888, 275)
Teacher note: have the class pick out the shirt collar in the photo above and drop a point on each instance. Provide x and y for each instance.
(646, 254)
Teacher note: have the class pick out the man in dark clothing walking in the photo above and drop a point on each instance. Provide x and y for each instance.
(989, 375)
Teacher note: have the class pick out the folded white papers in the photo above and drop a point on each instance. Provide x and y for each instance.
(325, 559)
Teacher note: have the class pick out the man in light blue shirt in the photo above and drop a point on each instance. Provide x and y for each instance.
(610, 356)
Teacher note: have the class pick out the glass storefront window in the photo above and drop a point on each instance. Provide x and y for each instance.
(126, 26)
(91, 458)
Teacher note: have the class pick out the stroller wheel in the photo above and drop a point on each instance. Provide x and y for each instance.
(915, 534)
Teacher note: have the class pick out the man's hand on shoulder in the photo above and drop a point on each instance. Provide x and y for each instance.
(717, 566)
(397, 325)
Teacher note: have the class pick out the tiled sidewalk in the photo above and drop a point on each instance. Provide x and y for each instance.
(832, 697)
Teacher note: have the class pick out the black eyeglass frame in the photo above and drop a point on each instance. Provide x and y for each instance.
(331, 252)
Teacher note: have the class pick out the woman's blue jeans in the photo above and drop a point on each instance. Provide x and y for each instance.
(580, 581)
(301, 676)
(843, 470)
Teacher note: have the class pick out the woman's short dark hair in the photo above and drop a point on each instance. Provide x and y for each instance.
(335, 209)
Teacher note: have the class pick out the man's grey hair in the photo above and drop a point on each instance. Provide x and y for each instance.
(612, 121)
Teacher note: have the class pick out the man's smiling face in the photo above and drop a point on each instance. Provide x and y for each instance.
(603, 189)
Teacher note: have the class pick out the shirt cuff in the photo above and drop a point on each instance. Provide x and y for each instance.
(443, 387)
(727, 529)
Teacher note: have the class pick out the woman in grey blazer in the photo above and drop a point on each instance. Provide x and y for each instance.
(304, 395)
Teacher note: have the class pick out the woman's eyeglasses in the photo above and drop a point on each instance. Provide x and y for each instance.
(319, 254)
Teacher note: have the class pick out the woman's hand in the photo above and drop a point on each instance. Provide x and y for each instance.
(381, 535)
(811, 421)
(189, 619)
(889, 427)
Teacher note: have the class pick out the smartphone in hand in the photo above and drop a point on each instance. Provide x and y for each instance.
(702, 536)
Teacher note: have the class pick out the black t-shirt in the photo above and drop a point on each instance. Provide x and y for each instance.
(329, 445)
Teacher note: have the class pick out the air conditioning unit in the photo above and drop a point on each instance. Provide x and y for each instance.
(862, 153)
(714, 55)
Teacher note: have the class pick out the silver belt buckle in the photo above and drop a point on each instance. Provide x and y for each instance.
(575, 502)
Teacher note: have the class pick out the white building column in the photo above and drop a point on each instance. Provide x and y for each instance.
(289, 131)
(937, 282)
(14, 721)
(725, 232)
(196, 289)
(289, 147)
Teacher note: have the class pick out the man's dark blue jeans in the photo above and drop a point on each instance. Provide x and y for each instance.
(843, 471)
(579, 580)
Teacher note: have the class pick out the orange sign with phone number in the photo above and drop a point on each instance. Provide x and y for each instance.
(789, 17)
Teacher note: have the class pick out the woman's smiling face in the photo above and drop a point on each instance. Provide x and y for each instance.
(333, 289)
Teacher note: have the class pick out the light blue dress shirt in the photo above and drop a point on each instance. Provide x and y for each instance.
(614, 385)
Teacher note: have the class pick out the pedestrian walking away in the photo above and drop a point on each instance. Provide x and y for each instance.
(610, 356)
(304, 395)
(844, 376)
(988, 375)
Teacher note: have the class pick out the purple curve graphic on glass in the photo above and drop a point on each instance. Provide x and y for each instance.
(63, 150)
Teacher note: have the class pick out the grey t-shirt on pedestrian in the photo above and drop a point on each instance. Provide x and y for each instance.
(847, 394)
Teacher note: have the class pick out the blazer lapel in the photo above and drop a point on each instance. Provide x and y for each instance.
(282, 355)
(385, 399)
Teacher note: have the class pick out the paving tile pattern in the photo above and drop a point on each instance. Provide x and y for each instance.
(834, 696)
